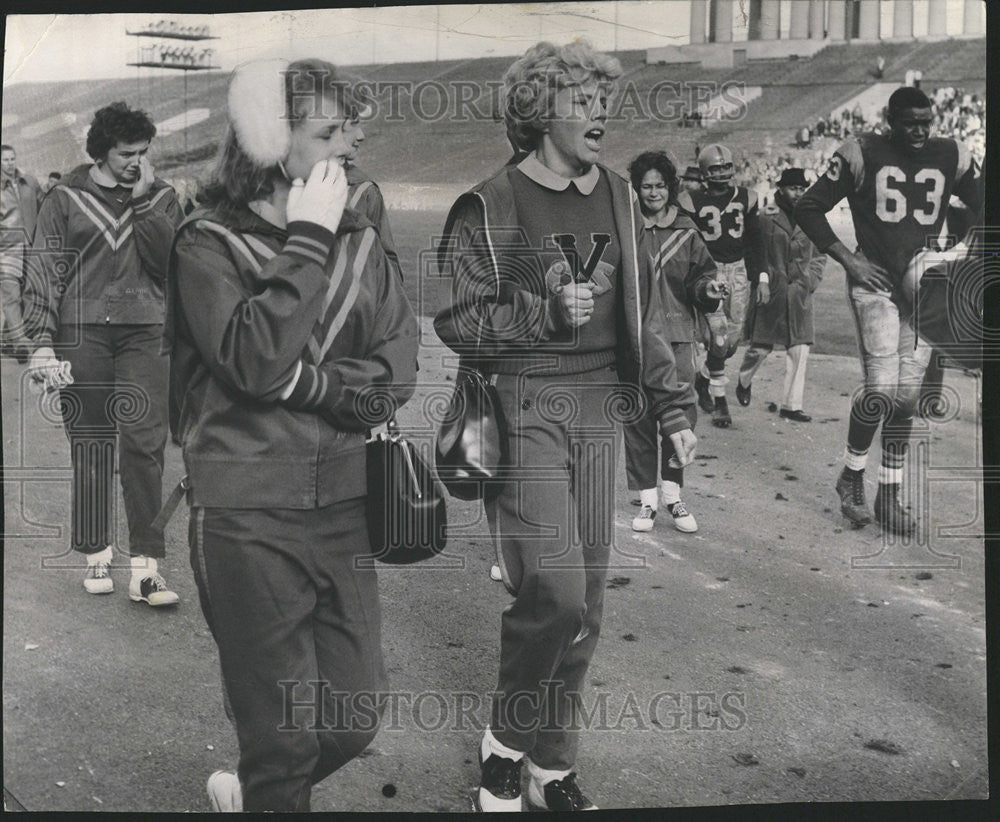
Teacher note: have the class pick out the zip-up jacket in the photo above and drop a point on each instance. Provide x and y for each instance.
(683, 269)
(498, 309)
(286, 346)
(90, 266)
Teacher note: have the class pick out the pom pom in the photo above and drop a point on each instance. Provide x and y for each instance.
(257, 110)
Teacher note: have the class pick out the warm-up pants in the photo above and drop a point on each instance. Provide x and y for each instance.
(298, 628)
(641, 437)
(119, 388)
(553, 524)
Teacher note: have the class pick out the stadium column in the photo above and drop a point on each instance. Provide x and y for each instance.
(799, 26)
(937, 18)
(868, 22)
(902, 19)
(817, 19)
(972, 20)
(722, 21)
(838, 20)
(770, 19)
(698, 8)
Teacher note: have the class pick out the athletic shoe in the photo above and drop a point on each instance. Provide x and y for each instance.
(225, 793)
(683, 521)
(644, 519)
(890, 513)
(795, 416)
(558, 795)
(152, 590)
(720, 413)
(98, 580)
(851, 489)
(705, 401)
(742, 393)
(500, 785)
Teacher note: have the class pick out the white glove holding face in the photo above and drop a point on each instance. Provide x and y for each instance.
(321, 199)
(46, 372)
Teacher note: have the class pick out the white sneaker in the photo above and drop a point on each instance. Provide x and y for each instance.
(98, 580)
(644, 519)
(683, 521)
(225, 793)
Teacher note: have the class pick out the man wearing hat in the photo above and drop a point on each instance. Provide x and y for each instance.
(782, 313)
(690, 180)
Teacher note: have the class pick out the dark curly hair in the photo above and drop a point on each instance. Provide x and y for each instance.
(654, 161)
(117, 123)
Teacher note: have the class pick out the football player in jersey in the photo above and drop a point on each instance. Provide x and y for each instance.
(726, 216)
(898, 186)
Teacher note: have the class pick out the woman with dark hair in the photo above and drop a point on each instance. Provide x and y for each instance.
(291, 337)
(552, 300)
(97, 299)
(685, 276)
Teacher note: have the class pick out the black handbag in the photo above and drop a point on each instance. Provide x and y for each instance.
(472, 448)
(407, 517)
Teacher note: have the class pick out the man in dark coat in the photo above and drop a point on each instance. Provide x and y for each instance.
(781, 313)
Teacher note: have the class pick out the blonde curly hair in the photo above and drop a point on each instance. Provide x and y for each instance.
(533, 80)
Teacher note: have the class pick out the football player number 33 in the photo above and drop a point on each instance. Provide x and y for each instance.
(891, 203)
(712, 218)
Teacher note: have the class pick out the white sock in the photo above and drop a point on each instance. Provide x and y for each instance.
(890, 476)
(492, 745)
(543, 775)
(856, 462)
(143, 567)
(647, 496)
(670, 491)
(101, 556)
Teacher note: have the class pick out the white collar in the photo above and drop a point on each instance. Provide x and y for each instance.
(535, 170)
(664, 221)
(266, 211)
(105, 180)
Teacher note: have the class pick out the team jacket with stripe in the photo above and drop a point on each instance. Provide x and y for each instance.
(89, 266)
(683, 269)
(365, 197)
(898, 200)
(286, 345)
(498, 307)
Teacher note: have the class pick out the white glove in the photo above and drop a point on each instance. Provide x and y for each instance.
(46, 372)
(321, 199)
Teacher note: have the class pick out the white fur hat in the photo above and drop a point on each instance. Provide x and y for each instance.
(257, 110)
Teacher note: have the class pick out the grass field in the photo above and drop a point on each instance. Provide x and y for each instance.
(415, 233)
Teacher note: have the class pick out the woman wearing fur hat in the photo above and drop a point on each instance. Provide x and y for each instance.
(551, 296)
(290, 336)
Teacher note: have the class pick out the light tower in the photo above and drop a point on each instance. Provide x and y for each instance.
(176, 58)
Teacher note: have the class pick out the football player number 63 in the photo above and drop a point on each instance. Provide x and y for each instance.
(890, 202)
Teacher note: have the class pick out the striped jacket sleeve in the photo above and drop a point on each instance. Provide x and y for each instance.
(364, 389)
(252, 344)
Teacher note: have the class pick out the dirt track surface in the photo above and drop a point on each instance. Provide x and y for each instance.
(775, 656)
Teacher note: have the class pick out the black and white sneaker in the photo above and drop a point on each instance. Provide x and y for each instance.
(152, 590)
(643, 521)
(558, 795)
(500, 785)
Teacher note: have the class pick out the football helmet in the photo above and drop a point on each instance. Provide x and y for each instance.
(716, 164)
